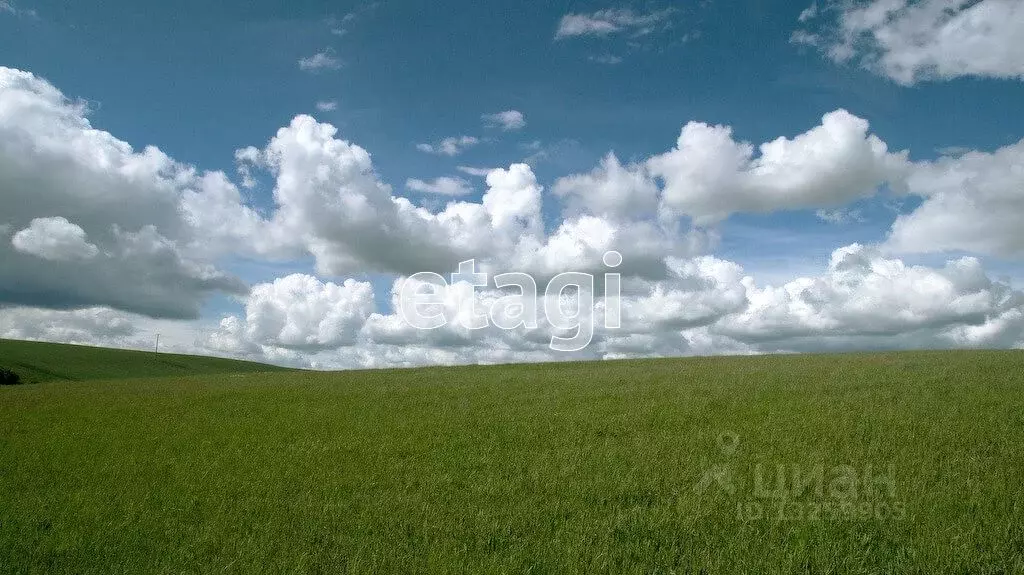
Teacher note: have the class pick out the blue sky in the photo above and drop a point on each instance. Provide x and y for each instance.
(201, 80)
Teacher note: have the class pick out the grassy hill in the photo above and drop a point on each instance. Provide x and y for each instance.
(862, 464)
(39, 361)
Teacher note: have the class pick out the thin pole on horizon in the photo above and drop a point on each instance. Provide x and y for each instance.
(156, 349)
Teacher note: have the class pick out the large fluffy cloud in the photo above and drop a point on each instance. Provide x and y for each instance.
(973, 202)
(93, 222)
(709, 175)
(611, 190)
(705, 305)
(696, 294)
(866, 300)
(300, 312)
(95, 235)
(911, 41)
(123, 214)
(332, 204)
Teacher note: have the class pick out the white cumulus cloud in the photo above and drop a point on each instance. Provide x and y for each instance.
(144, 236)
(709, 175)
(866, 300)
(298, 312)
(862, 300)
(54, 239)
(100, 212)
(610, 190)
(973, 202)
(912, 41)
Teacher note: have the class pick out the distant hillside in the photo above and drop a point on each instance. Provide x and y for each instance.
(39, 361)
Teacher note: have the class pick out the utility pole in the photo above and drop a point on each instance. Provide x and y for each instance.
(157, 348)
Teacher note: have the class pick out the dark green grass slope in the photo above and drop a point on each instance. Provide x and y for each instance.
(38, 361)
(558, 468)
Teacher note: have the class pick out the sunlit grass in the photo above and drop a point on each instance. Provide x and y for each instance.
(558, 468)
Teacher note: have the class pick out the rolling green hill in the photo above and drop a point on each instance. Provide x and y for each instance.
(854, 464)
(39, 361)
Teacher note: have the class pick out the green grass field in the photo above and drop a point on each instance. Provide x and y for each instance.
(873, 463)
